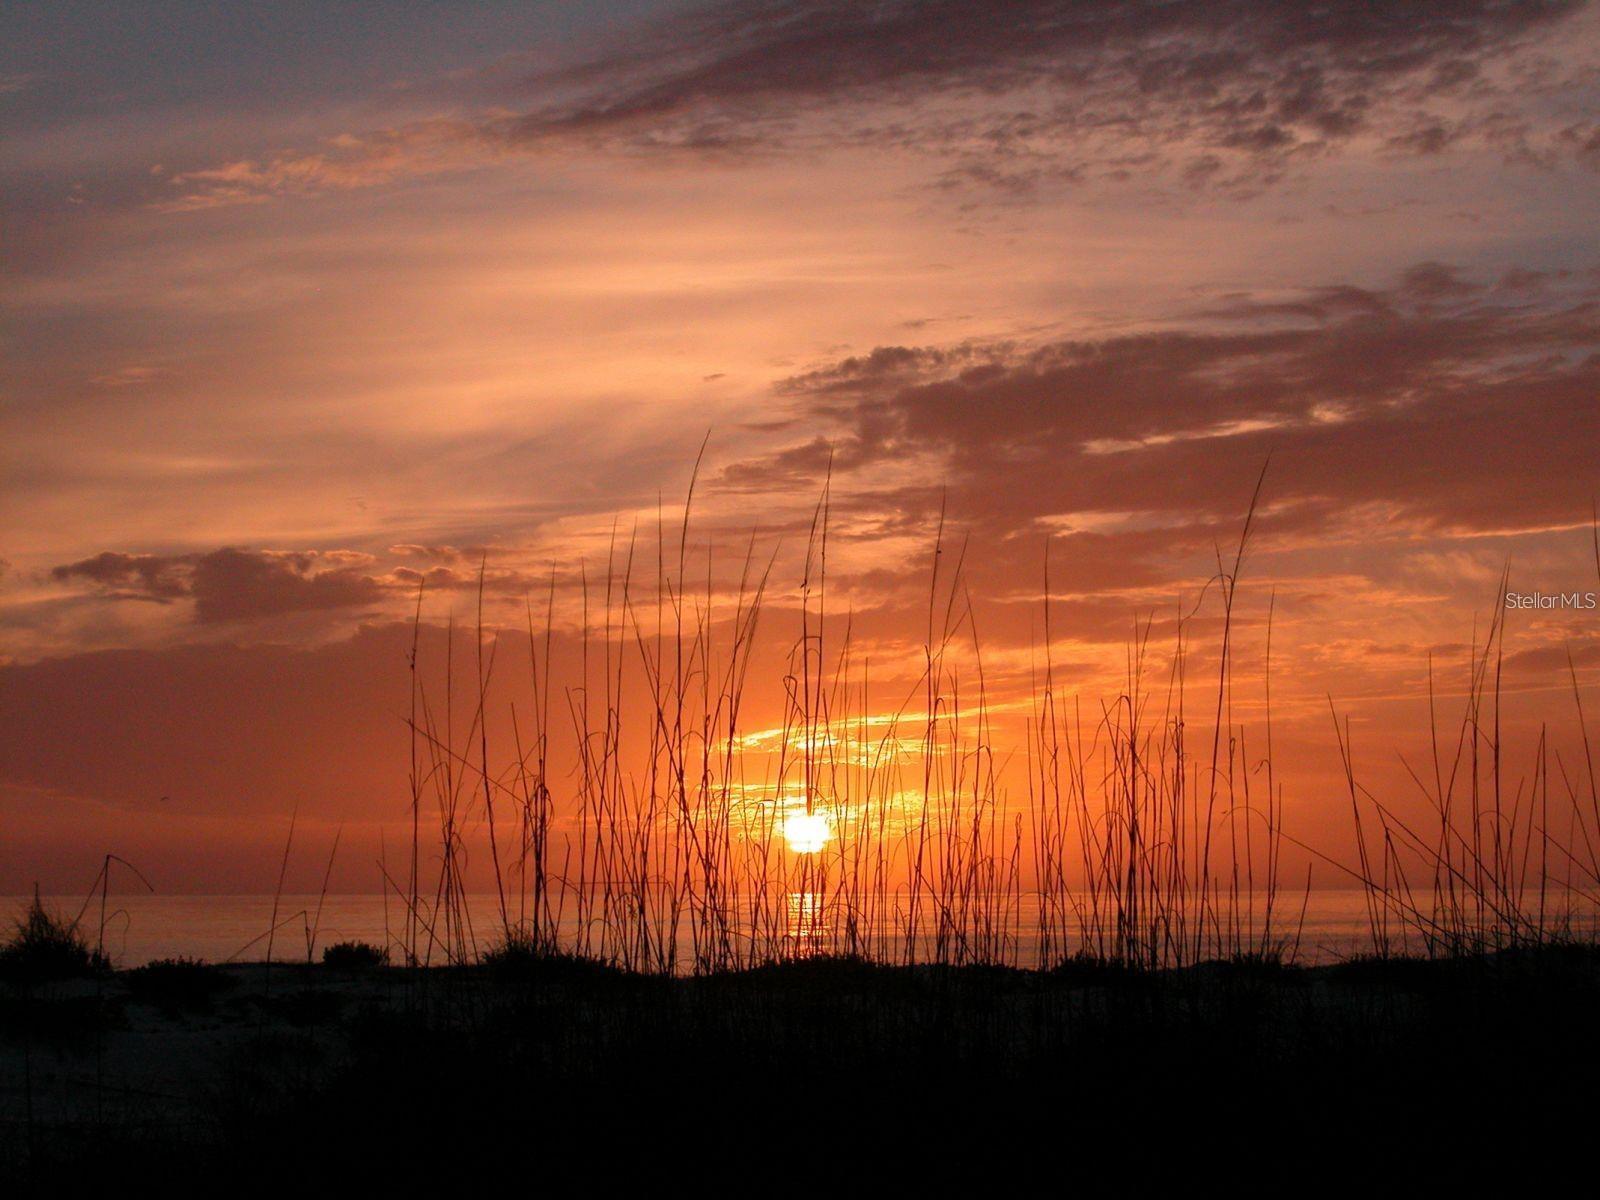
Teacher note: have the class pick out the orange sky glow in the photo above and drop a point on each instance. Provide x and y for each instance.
(1013, 303)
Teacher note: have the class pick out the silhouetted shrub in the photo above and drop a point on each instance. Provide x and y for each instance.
(354, 956)
(46, 946)
(177, 984)
(520, 954)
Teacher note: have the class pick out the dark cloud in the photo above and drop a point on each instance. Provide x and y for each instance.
(1251, 75)
(1444, 403)
(132, 576)
(1009, 94)
(1553, 661)
(233, 585)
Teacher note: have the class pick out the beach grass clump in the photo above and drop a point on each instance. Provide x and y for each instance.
(177, 984)
(355, 956)
(46, 946)
(1085, 969)
(519, 953)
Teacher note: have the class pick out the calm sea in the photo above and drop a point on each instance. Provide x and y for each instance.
(139, 929)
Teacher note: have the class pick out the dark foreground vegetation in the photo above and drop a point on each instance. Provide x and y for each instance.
(822, 1072)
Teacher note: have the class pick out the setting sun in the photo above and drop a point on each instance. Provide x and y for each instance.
(806, 833)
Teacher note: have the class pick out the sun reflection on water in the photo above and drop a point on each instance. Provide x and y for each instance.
(803, 918)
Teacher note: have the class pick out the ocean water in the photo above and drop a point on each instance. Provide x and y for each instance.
(140, 929)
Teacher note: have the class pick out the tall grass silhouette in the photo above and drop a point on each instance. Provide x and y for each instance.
(672, 837)
(1498, 863)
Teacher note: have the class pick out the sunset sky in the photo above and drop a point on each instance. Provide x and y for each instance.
(305, 304)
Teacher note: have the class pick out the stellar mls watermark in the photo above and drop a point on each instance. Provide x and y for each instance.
(1583, 600)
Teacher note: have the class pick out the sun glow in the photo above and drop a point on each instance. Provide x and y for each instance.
(806, 833)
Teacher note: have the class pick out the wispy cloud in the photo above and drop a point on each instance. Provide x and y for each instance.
(1454, 403)
(343, 162)
(1227, 96)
